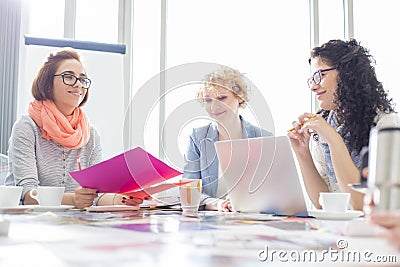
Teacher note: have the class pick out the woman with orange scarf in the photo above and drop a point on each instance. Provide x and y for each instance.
(45, 145)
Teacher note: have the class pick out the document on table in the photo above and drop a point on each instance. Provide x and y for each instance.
(146, 192)
(111, 208)
(130, 171)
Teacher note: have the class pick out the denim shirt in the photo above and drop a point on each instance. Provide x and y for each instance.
(201, 159)
(355, 155)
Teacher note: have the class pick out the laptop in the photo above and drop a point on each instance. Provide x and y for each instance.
(260, 175)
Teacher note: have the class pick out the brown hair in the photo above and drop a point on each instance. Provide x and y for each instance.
(42, 86)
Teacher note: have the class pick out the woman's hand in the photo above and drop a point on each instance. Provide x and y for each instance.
(84, 197)
(299, 138)
(317, 124)
(224, 205)
(391, 221)
(119, 199)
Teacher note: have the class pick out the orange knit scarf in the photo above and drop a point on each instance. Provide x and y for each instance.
(71, 132)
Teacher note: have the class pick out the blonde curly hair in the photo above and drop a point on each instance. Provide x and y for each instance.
(229, 79)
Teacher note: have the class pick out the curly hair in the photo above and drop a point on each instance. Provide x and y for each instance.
(359, 95)
(228, 78)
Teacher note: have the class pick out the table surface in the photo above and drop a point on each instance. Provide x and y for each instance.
(169, 238)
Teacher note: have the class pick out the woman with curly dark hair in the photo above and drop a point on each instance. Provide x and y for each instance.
(352, 101)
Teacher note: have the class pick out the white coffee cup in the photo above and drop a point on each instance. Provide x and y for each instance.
(10, 195)
(190, 195)
(334, 202)
(48, 195)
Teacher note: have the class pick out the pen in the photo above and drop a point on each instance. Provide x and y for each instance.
(301, 124)
(78, 160)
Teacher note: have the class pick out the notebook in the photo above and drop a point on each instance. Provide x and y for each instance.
(260, 175)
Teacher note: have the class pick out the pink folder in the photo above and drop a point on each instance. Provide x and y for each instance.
(132, 170)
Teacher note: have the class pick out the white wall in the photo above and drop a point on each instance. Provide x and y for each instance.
(105, 107)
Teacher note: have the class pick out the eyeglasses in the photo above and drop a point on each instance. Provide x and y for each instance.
(69, 79)
(317, 77)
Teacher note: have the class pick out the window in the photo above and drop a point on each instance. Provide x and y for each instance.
(258, 38)
(331, 20)
(46, 18)
(381, 43)
(97, 21)
(146, 66)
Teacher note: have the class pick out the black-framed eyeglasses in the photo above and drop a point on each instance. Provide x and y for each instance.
(70, 79)
(317, 77)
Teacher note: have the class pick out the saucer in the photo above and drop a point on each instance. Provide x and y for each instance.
(361, 187)
(348, 215)
(51, 208)
(15, 210)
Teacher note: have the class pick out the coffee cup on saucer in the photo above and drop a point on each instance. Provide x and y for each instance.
(334, 202)
(48, 195)
(10, 195)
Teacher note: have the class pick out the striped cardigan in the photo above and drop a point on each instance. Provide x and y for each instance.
(35, 161)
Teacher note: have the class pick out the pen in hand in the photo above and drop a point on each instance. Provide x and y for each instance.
(301, 124)
(78, 160)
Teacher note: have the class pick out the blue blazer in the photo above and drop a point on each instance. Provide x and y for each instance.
(201, 159)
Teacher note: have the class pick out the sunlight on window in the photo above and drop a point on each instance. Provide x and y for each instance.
(97, 20)
(381, 43)
(331, 20)
(146, 61)
(252, 37)
(46, 18)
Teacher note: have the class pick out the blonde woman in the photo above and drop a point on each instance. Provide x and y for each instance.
(222, 94)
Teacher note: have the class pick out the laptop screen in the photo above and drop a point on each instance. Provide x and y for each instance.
(260, 175)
